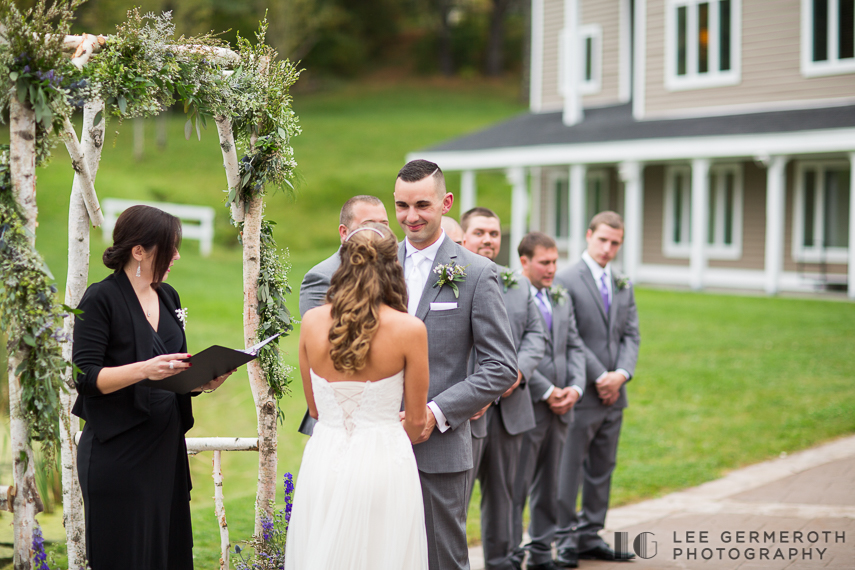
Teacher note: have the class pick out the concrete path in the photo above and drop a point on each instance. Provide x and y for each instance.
(797, 511)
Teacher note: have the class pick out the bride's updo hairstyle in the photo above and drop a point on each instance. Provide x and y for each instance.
(368, 276)
(149, 227)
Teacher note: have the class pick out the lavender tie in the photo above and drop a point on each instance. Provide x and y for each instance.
(544, 309)
(604, 291)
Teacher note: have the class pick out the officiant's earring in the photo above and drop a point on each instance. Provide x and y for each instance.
(139, 263)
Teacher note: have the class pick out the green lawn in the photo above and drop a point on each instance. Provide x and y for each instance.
(723, 381)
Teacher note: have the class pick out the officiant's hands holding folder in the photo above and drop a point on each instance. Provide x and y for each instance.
(215, 383)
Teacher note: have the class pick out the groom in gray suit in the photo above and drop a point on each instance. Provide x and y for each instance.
(463, 312)
(555, 386)
(608, 324)
(497, 435)
(356, 211)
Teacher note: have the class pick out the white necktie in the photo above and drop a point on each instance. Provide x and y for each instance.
(415, 283)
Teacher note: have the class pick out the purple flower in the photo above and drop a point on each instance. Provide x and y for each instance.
(26, 69)
(39, 549)
(267, 528)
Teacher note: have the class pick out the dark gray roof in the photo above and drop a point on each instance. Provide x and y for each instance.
(616, 124)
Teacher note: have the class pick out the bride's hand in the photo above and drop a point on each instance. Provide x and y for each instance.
(430, 423)
(215, 383)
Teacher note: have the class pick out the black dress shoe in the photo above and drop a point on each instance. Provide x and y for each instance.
(603, 552)
(567, 558)
(545, 566)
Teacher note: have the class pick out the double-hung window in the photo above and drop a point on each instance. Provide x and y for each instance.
(723, 212)
(589, 59)
(558, 202)
(821, 212)
(828, 37)
(702, 43)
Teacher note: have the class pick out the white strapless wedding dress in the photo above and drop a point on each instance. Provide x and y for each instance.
(358, 502)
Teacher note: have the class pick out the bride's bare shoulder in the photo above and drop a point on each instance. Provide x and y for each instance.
(402, 322)
(318, 316)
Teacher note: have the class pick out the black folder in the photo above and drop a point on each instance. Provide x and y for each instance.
(208, 364)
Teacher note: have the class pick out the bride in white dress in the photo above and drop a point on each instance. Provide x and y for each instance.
(358, 502)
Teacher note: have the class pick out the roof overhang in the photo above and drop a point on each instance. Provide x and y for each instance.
(661, 149)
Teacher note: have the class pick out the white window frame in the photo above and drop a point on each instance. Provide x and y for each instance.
(601, 175)
(716, 250)
(816, 254)
(553, 179)
(833, 65)
(594, 32)
(714, 77)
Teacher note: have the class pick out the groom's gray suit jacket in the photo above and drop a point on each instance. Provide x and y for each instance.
(313, 291)
(479, 321)
(530, 342)
(610, 341)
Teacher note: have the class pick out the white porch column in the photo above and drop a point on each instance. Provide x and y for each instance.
(576, 231)
(630, 175)
(700, 207)
(468, 191)
(571, 60)
(535, 221)
(775, 187)
(519, 211)
(851, 283)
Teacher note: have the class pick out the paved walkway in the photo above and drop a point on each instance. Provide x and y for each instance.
(797, 511)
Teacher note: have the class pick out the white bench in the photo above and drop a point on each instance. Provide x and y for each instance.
(202, 218)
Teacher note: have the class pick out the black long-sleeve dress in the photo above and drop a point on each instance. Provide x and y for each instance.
(132, 459)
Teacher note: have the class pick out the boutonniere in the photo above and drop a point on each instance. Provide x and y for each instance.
(509, 279)
(623, 283)
(450, 273)
(182, 316)
(558, 294)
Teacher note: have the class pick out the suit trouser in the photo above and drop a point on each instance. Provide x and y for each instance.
(497, 468)
(589, 459)
(444, 496)
(537, 476)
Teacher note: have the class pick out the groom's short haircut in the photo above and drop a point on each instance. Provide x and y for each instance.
(611, 219)
(417, 170)
(533, 239)
(346, 216)
(476, 211)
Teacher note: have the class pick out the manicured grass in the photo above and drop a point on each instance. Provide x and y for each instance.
(722, 381)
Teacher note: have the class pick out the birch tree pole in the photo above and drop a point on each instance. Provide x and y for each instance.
(90, 145)
(26, 503)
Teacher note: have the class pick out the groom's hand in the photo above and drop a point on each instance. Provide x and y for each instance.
(480, 413)
(510, 390)
(430, 423)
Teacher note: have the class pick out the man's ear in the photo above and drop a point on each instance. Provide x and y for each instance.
(447, 202)
(342, 232)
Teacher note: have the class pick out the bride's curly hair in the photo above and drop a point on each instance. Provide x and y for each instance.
(369, 275)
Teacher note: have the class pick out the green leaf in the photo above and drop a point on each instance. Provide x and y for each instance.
(188, 126)
(22, 90)
(198, 129)
(29, 340)
(454, 288)
(97, 120)
(13, 76)
(123, 104)
(282, 133)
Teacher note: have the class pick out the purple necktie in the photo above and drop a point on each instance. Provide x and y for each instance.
(604, 291)
(544, 309)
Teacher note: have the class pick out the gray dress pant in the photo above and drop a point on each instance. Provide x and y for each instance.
(537, 478)
(589, 459)
(444, 497)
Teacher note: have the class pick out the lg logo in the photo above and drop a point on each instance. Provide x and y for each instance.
(643, 546)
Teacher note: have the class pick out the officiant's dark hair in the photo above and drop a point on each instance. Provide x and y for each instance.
(149, 227)
(369, 275)
(417, 170)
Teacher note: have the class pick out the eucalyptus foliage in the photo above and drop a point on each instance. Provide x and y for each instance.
(32, 319)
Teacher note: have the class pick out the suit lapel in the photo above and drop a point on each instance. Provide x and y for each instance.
(142, 329)
(172, 309)
(588, 279)
(402, 255)
(613, 308)
(445, 255)
(557, 322)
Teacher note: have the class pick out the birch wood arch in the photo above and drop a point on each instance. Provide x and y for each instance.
(84, 209)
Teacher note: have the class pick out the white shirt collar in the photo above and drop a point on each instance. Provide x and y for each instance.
(596, 270)
(429, 252)
(535, 291)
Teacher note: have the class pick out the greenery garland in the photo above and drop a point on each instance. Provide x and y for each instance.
(32, 318)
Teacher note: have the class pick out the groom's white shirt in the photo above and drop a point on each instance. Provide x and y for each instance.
(423, 260)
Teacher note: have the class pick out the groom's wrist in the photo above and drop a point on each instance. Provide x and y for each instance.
(441, 423)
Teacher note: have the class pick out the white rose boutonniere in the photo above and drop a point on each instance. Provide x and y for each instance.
(182, 316)
(450, 273)
(558, 294)
(623, 283)
(509, 279)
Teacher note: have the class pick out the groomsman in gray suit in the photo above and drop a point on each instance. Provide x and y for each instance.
(608, 324)
(497, 435)
(357, 211)
(555, 387)
(462, 312)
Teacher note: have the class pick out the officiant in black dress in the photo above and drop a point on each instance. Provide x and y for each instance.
(132, 458)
